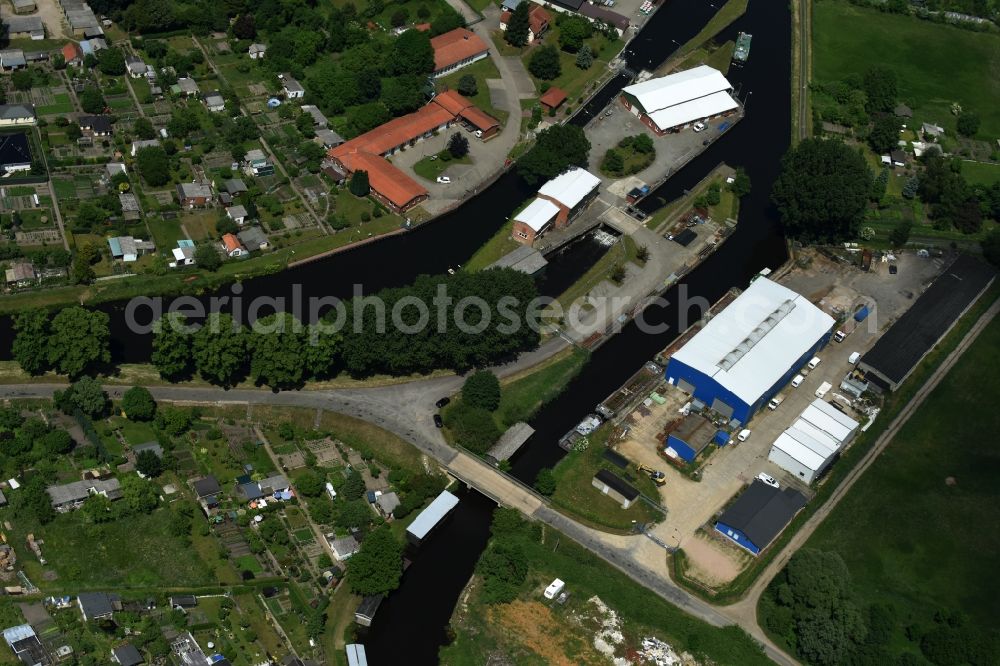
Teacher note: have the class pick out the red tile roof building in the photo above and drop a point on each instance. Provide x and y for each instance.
(538, 21)
(553, 98)
(366, 152)
(457, 48)
(71, 53)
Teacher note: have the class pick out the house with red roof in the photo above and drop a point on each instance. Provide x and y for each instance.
(538, 21)
(72, 54)
(553, 98)
(232, 245)
(456, 49)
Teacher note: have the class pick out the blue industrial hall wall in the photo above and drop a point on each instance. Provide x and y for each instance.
(681, 447)
(708, 389)
(737, 536)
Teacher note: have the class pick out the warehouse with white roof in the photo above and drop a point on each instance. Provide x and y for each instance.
(671, 102)
(559, 201)
(810, 444)
(745, 354)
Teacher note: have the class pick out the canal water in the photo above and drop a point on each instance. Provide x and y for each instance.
(415, 616)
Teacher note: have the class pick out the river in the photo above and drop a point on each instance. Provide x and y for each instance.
(416, 615)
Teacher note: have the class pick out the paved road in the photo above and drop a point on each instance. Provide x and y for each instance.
(744, 612)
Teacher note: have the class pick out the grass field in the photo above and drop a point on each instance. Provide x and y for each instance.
(137, 551)
(481, 70)
(909, 535)
(496, 247)
(932, 70)
(430, 169)
(523, 395)
(983, 173)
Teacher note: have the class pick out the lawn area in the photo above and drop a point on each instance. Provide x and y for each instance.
(496, 247)
(352, 208)
(136, 433)
(200, 224)
(433, 166)
(931, 544)
(136, 551)
(576, 496)
(729, 12)
(482, 70)
(531, 630)
(166, 233)
(249, 563)
(932, 71)
(981, 173)
(525, 393)
(576, 82)
(62, 105)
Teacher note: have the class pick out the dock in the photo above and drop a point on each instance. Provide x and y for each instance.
(509, 443)
(525, 259)
(637, 388)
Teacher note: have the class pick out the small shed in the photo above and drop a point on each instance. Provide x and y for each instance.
(553, 98)
(367, 609)
(690, 438)
(615, 488)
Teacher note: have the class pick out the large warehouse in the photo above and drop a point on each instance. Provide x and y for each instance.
(749, 351)
(810, 444)
(677, 100)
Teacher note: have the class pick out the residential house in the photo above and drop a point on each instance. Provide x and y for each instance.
(253, 238)
(319, 120)
(26, 646)
(98, 605)
(99, 125)
(126, 655)
(71, 54)
(276, 485)
(538, 21)
(21, 274)
(387, 503)
(15, 153)
(70, 496)
(237, 214)
(328, 138)
(183, 254)
(293, 89)
(343, 547)
(456, 49)
(183, 601)
(12, 115)
(215, 102)
(257, 51)
(234, 186)
(13, 59)
(143, 143)
(186, 86)
(129, 249)
(194, 194)
(231, 244)
(207, 490)
(136, 67)
(258, 163)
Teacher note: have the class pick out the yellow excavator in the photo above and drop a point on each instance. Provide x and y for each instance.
(658, 477)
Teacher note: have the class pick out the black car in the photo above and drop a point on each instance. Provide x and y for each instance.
(437, 421)
(442, 402)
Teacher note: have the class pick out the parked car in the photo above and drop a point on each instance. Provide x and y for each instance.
(444, 180)
(796, 380)
(699, 127)
(442, 402)
(744, 435)
(437, 421)
(768, 479)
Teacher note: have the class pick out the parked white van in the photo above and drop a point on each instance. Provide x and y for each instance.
(814, 362)
(796, 380)
(854, 358)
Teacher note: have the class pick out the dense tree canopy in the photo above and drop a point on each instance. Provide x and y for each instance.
(482, 389)
(884, 134)
(503, 567)
(149, 464)
(377, 567)
(171, 346)
(555, 149)
(153, 165)
(544, 63)
(412, 53)
(518, 25)
(138, 404)
(219, 349)
(84, 394)
(879, 84)
(30, 347)
(572, 31)
(78, 340)
(822, 191)
(277, 351)
(473, 427)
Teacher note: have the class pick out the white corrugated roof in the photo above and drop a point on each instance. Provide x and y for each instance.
(818, 440)
(538, 213)
(819, 416)
(695, 109)
(571, 187)
(799, 451)
(665, 91)
(749, 346)
(430, 516)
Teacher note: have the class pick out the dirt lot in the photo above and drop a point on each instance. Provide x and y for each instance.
(52, 17)
(532, 624)
(712, 561)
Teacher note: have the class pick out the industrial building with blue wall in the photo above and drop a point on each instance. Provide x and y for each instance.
(748, 352)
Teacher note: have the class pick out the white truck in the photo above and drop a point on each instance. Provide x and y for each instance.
(823, 388)
(776, 400)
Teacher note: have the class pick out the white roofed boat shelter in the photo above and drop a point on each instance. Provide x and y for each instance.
(673, 101)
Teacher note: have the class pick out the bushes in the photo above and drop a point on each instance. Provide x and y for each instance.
(482, 389)
(473, 427)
